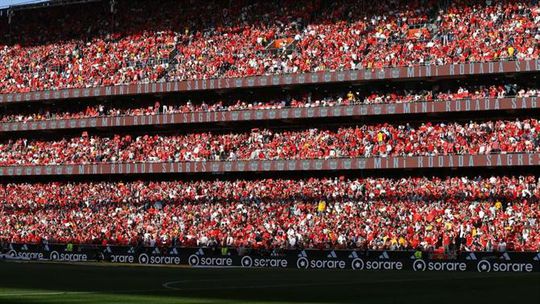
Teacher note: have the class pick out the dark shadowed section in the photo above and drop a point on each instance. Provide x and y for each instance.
(55, 283)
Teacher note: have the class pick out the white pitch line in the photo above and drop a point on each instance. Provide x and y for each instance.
(22, 294)
(76, 292)
(167, 285)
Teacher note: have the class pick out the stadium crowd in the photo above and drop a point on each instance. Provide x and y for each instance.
(375, 213)
(381, 140)
(165, 40)
(169, 41)
(306, 101)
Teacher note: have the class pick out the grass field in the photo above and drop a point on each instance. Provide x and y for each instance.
(59, 283)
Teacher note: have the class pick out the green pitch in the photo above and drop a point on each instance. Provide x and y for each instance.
(57, 283)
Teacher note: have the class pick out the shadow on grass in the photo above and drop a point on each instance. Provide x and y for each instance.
(54, 283)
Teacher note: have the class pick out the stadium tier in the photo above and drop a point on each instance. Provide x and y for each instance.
(496, 213)
(381, 140)
(472, 94)
(88, 45)
(286, 111)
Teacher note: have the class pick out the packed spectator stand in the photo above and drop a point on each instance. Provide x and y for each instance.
(373, 213)
(167, 42)
(147, 42)
(380, 140)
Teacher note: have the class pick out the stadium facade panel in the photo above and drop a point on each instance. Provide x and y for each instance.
(370, 163)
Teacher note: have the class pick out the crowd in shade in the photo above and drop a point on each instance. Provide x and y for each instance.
(491, 213)
(305, 101)
(377, 140)
(171, 41)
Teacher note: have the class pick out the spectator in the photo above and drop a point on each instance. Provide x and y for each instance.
(374, 213)
(255, 38)
(381, 140)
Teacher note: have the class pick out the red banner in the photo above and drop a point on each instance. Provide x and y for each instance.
(280, 80)
(277, 114)
(376, 163)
